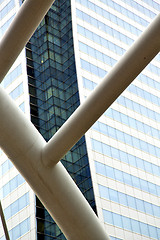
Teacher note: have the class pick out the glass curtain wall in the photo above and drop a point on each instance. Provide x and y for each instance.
(54, 97)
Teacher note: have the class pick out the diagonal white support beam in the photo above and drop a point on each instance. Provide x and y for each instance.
(124, 72)
(23, 144)
(23, 26)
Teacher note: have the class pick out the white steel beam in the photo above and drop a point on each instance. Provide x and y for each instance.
(124, 72)
(24, 145)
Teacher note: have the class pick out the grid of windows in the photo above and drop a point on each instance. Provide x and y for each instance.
(111, 61)
(133, 4)
(19, 230)
(17, 92)
(133, 89)
(100, 40)
(16, 206)
(7, 9)
(111, 17)
(103, 27)
(154, 69)
(139, 108)
(129, 121)
(114, 12)
(133, 123)
(126, 178)
(125, 157)
(126, 138)
(88, 84)
(11, 185)
(141, 8)
(115, 20)
(93, 68)
(96, 54)
(131, 224)
(12, 76)
(144, 94)
(142, 78)
(118, 8)
(129, 201)
(5, 167)
(4, 27)
(149, 81)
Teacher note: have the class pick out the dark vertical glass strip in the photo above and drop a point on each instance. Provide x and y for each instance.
(54, 96)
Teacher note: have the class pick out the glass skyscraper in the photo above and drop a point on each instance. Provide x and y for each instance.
(116, 164)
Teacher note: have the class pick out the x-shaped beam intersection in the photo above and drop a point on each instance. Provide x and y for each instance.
(37, 160)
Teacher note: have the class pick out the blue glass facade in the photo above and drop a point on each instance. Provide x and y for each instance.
(54, 96)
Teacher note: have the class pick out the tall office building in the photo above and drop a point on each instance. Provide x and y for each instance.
(116, 164)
